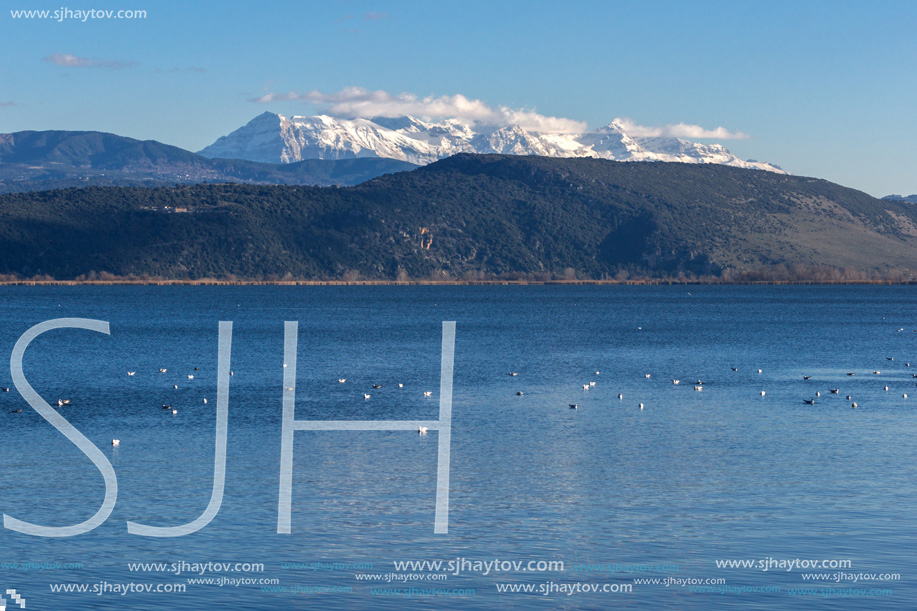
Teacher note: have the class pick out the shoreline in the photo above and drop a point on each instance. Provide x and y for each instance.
(641, 282)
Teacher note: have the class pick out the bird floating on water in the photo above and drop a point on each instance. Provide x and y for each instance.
(806, 377)
(585, 387)
(365, 396)
(174, 411)
(421, 430)
(834, 391)
(513, 373)
(377, 385)
(854, 405)
(734, 368)
(175, 386)
(205, 401)
(428, 393)
(130, 373)
(284, 364)
(7, 389)
(698, 388)
(676, 382)
(620, 396)
(762, 393)
(596, 373)
(850, 373)
(886, 388)
(16, 411)
(877, 372)
(519, 394)
(341, 380)
(574, 406)
(190, 377)
(400, 385)
(759, 371)
(591, 383)
(809, 401)
(646, 375)
(162, 370)
(641, 406)
(849, 397)
(115, 442)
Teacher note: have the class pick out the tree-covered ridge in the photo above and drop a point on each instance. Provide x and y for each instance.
(469, 216)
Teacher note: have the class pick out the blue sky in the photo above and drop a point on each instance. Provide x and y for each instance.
(824, 89)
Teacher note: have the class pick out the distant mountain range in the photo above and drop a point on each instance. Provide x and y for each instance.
(471, 217)
(273, 138)
(34, 160)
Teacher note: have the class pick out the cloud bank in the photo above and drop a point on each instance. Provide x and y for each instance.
(353, 102)
(359, 102)
(72, 61)
(677, 130)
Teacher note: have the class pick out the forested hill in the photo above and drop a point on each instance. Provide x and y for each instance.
(468, 216)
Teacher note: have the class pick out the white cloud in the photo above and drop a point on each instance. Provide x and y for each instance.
(360, 102)
(72, 61)
(353, 102)
(532, 121)
(677, 130)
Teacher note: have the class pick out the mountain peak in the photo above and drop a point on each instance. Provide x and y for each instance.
(272, 138)
(267, 116)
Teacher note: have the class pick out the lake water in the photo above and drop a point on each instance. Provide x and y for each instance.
(692, 479)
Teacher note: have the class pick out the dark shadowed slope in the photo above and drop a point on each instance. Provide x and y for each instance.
(466, 216)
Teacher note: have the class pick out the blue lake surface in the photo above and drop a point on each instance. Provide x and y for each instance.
(692, 479)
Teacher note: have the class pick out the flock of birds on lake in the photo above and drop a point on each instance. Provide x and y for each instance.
(698, 386)
(170, 409)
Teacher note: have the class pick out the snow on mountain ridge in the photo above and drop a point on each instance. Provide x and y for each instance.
(274, 138)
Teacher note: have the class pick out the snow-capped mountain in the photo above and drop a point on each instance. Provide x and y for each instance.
(273, 138)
